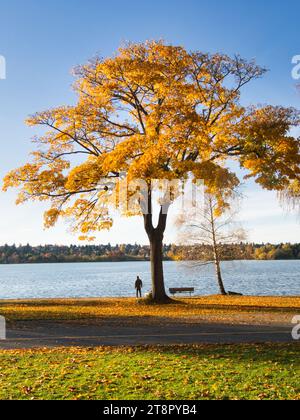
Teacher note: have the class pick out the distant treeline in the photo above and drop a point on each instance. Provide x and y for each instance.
(12, 254)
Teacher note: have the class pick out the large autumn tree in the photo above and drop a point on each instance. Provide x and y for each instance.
(154, 111)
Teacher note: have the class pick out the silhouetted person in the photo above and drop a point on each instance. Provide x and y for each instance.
(138, 287)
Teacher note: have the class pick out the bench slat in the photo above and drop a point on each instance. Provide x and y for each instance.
(175, 290)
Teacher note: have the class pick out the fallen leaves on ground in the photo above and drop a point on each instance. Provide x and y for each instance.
(65, 309)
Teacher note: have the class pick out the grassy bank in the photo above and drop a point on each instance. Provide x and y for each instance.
(217, 306)
(174, 372)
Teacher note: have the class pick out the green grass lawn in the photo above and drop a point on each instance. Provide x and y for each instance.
(173, 372)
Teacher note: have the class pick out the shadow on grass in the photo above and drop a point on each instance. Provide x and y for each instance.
(58, 303)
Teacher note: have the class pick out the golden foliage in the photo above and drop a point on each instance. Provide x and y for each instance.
(154, 111)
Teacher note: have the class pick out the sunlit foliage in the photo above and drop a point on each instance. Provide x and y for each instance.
(153, 111)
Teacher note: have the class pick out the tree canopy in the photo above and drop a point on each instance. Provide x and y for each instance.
(154, 111)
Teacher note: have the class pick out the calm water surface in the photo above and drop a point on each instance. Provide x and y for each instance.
(117, 279)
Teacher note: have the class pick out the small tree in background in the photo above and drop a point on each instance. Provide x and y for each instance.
(214, 227)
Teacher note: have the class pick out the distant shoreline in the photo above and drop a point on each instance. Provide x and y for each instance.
(131, 260)
(45, 254)
(78, 262)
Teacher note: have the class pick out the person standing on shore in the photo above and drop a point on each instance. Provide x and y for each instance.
(138, 287)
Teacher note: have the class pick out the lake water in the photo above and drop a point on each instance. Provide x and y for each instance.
(117, 279)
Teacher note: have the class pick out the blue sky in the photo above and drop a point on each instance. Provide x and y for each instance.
(42, 41)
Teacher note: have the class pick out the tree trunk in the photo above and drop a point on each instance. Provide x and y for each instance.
(219, 276)
(215, 250)
(157, 272)
(156, 236)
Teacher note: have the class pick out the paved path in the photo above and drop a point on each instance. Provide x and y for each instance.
(33, 334)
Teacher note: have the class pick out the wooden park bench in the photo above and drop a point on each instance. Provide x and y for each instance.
(176, 290)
